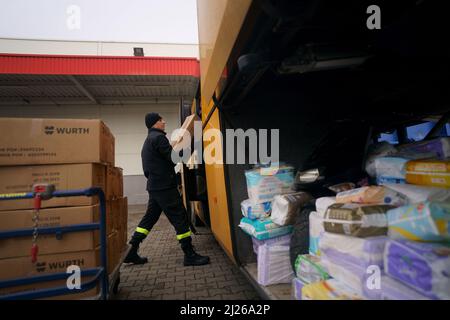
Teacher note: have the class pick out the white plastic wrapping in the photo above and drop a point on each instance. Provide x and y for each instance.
(309, 269)
(416, 194)
(263, 184)
(372, 195)
(362, 252)
(274, 265)
(315, 232)
(255, 211)
(323, 203)
(285, 207)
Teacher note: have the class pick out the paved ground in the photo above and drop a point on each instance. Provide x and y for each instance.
(165, 277)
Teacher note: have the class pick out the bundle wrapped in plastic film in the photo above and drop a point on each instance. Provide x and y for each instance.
(297, 286)
(286, 206)
(281, 240)
(274, 265)
(256, 211)
(434, 173)
(263, 229)
(362, 252)
(330, 289)
(416, 194)
(309, 269)
(424, 267)
(372, 195)
(264, 183)
(357, 220)
(392, 289)
(425, 221)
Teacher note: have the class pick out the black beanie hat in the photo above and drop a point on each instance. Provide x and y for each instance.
(151, 119)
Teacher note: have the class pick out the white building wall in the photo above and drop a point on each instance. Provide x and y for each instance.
(20, 46)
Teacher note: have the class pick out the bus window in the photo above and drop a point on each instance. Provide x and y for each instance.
(418, 132)
(391, 138)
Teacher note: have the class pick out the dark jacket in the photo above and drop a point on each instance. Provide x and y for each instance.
(157, 162)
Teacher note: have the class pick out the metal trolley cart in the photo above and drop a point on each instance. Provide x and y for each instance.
(100, 276)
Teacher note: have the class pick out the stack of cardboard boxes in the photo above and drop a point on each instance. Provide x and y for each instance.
(71, 154)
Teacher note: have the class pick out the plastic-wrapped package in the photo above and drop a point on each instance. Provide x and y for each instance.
(355, 277)
(297, 286)
(416, 194)
(392, 289)
(286, 206)
(391, 168)
(424, 221)
(282, 240)
(372, 195)
(424, 267)
(384, 180)
(357, 220)
(330, 289)
(439, 148)
(274, 265)
(362, 252)
(263, 229)
(255, 211)
(323, 203)
(264, 184)
(315, 232)
(429, 173)
(308, 269)
(379, 150)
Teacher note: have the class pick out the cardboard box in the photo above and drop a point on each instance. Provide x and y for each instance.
(20, 179)
(49, 244)
(114, 182)
(123, 224)
(50, 141)
(188, 125)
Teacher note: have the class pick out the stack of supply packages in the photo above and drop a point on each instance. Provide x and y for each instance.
(70, 154)
(268, 217)
(348, 234)
(417, 254)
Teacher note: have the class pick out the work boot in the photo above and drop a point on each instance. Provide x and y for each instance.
(133, 257)
(192, 258)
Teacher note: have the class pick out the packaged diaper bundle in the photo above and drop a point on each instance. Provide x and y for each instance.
(297, 286)
(390, 169)
(316, 229)
(424, 221)
(434, 173)
(361, 252)
(256, 211)
(263, 183)
(361, 281)
(330, 289)
(274, 265)
(308, 269)
(372, 195)
(416, 193)
(281, 240)
(286, 206)
(392, 289)
(263, 229)
(422, 266)
(379, 150)
(357, 220)
(437, 148)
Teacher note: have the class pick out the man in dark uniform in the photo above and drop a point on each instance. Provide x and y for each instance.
(163, 194)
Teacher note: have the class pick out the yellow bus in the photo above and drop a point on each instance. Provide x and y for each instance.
(332, 76)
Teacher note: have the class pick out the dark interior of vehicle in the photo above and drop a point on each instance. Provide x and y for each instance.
(298, 73)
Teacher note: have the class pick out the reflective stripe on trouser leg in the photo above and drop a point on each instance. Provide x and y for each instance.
(183, 235)
(142, 230)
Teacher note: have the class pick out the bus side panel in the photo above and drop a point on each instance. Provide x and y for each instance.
(219, 24)
(217, 194)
